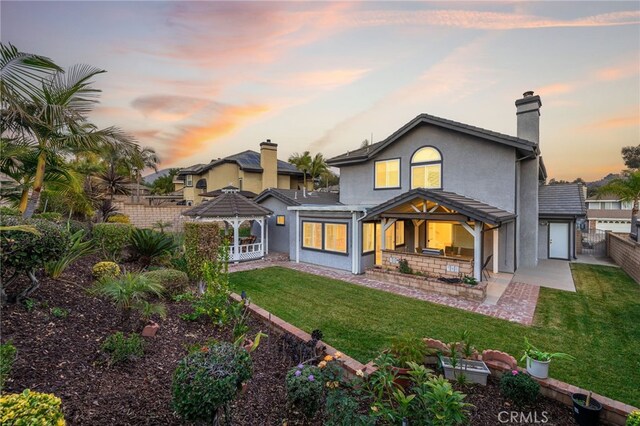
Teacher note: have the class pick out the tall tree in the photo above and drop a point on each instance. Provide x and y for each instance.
(318, 166)
(631, 156)
(302, 162)
(627, 188)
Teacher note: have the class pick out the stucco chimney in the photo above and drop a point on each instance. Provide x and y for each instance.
(528, 113)
(269, 164)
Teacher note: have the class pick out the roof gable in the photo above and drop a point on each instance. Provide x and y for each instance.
(562, 200)
(292, 197)
(247, 160)
(366, 153)
(229, 204)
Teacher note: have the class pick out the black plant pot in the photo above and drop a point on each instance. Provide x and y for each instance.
(586, 416)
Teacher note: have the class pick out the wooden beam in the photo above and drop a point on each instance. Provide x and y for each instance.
(466, 226)
(427, 216)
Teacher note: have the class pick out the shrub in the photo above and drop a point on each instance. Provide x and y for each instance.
(408, 348)
(111, 238)
(52, 216)
(31, 408)
(131, 292)
(201, 243)
(304, 389)
(9, 211)
(209, 379)
(633, 419)
(59, 312)
(105, 269)
(118, 218)
(74, 226)
(7, 357)
(174, 282)
(121, 348)
(78, 247)
(403, 267)
(443, 406)
(214, 301)
(26, 252)
(519, 388)
(149, 245)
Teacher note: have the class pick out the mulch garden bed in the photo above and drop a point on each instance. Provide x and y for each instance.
(62, 356)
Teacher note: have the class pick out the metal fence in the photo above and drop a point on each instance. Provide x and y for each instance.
(594, 242)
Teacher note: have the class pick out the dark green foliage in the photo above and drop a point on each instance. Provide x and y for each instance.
(519, 387)
(74, 226)
(52, 216)
(78, 247)
(208, 379)
(149, 245)
(403, 267)
(201, 242)
(304, 389)
(59, 312)
(407, 348)
(174, 282)
(7, 357)
(9, 211)
(26, 251)
(111, 238)
(123, 349)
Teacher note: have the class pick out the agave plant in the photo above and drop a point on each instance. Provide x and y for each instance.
(149, 245)
(131, 292)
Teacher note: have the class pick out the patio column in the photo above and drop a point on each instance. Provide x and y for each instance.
(261, 222)
(297, 236)
(416, 232)
(496, 237)
(477, 251)
(236, 240)
(266, 233)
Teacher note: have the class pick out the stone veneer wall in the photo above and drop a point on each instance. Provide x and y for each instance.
(431, 265)
(625, 252)
(143, 216)
(476, 292)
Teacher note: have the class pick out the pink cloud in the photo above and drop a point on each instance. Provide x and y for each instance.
(168, 107)
(632, 120)
(327, 79)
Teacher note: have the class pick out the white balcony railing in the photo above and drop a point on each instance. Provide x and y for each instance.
(246, 252)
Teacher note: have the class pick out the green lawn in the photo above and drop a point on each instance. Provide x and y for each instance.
(599, 325)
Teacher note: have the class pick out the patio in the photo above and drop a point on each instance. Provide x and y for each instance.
(548, 273)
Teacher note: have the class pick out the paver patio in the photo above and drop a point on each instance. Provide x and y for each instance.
(517, 303)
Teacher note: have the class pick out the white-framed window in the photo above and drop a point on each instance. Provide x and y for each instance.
(312, 235)
(368, 237)
(387, 174)
(399, 233)
(189, 180)
(426, 168)
(325, 236)
(280, 221)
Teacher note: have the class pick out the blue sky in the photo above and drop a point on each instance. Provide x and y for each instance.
(201, 80)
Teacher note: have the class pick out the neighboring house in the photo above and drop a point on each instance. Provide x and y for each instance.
(448, 196)
(608, 213)
(248, 171)
(136, 192)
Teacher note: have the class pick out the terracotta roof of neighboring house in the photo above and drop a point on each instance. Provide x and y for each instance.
(463, 205)
(247, 160)
(562, 200)
(364, 154)
(228, 204)
(604, 197)
(293, 197)
(219, 192)
(608, 214)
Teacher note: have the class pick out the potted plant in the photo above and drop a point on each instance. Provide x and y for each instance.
(538, 361)
(405, 349)
(463, 364)
(586, 410)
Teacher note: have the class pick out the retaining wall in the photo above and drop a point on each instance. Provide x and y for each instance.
(625, 252)
(143, 216)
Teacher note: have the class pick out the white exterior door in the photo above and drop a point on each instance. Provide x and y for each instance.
(559, 240)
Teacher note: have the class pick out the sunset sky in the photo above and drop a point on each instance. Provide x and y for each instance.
(201, 80)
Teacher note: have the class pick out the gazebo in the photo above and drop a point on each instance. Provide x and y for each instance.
(232, 208)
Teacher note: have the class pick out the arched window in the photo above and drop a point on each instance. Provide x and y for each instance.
(426, 168)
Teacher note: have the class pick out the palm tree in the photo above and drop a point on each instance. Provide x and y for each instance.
(318, 166)
(302, 162)
(627, 188)
(53, 116)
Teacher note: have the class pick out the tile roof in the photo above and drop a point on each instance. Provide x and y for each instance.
(363, 154)
(293, 197)
(229, 204)
(218, 192)
(463, 205)
(247, 160)
(608, 214)
(561, 200)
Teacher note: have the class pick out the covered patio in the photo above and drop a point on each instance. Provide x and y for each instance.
(441, 234)
(233, 210)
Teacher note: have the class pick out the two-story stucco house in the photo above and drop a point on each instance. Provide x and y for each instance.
(436, 189)
(250, 171)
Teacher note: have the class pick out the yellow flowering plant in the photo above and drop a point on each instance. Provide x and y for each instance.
(31, 408)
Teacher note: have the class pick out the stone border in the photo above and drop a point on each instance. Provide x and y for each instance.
(477, 292)
(613, 412)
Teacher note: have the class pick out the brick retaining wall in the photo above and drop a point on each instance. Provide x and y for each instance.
(625, 252)
(431, 265)
(476, 292)
(143, 216)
